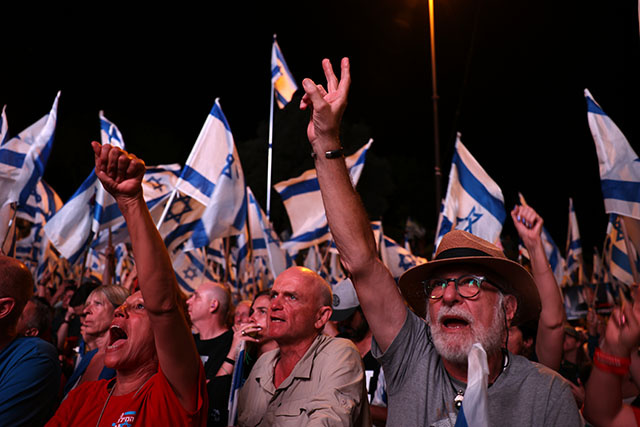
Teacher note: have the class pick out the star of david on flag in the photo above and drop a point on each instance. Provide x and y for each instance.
(473, 202)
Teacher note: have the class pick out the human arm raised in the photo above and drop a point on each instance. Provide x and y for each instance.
(121, 175)
(603, 400)
(379, 296)
(550, 337)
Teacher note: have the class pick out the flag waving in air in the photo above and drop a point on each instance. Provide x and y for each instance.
(474, 202)
(619, 164)
(281, 78)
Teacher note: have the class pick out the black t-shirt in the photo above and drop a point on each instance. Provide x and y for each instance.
(212, 353)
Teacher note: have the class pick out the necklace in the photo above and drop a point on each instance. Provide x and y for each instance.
(459, 393)
(111, 392)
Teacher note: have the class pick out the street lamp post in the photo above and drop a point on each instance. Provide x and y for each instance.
(434, 97)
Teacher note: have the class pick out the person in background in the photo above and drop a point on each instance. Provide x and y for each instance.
(242, 313)
(98, 315)
(29, 368)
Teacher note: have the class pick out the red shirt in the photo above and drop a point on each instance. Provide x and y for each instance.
(154, 404)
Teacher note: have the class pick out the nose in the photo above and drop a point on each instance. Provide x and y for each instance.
(121, 311)
(276, 303)
(450, 295)
(86, 310)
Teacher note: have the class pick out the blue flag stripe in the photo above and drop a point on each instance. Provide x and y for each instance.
(621, 190)
(592, 107)
(12, 158)
(194, 178)
(311, 235)
(478, 191)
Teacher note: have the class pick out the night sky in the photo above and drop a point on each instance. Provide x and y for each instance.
(511, 76)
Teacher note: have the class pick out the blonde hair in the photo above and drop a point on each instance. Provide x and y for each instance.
(115, 294)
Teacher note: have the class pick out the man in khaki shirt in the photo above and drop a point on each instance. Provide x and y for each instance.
(312, 379)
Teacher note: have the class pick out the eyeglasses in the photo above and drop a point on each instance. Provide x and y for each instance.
(466, 286)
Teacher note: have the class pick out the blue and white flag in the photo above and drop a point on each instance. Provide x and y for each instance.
(397, 258)
(475, 406)
(106, 212)
(617, 255)
(70, 229)
(303, 202)
(157, 184)
(619, 164)
(4, 126)
(191, 269)
(213, 176)
(556, 261)
(574, 248)
(282, 80)
(237, 381)
(24, 157)
(474, 202)
(35, 249)
(265, 241)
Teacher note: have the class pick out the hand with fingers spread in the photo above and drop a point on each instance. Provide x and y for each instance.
(327, 105)
(120, 172)
(528, 225)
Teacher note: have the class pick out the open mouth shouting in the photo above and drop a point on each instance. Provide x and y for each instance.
(117, 337)
(454, 320)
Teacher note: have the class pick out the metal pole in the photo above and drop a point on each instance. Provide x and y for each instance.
(434, 97)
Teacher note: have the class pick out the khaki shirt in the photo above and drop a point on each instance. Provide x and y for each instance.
(326, 387)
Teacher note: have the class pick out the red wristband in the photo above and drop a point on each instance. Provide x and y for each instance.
(610, 363)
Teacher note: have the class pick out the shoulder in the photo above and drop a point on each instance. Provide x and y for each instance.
(538, 375)
(333, 346)
(23, 350)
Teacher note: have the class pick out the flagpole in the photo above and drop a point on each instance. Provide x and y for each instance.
(270, 150)
(11, 224)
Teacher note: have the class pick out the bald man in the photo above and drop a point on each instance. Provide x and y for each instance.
(29, 369)
(208, 309)
(311, 379)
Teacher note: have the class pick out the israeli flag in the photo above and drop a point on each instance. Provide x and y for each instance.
(303, 202)
(24, 158)
(617, 254)
(474, 202)
(264, 241)
(70, 230)
(397, 258)
(35, 249)
(157, 184)
(619, 164)
(191, 269)
(475, 406)
(574, 252)
(4, 125)
(213, 176)
(284, 84)
(106, 212)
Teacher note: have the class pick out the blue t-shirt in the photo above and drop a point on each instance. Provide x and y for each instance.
(29, 381)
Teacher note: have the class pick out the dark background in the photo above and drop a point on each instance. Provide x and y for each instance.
(511, 76)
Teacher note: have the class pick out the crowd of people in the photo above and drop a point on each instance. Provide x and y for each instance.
(367, 351)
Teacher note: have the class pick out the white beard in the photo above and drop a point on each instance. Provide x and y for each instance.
(456, 347)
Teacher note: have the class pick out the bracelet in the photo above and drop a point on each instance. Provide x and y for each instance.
(617, 370)
(230, 361)
(609, 363)
(331, 154)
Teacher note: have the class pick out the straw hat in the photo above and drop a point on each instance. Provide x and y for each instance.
(461, 248)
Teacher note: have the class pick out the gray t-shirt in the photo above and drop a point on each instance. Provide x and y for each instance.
(421, 392)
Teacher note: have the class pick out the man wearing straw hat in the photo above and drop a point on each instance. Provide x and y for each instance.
(469, 294)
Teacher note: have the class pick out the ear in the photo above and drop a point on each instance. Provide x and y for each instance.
(213, 307)
(322, 317)
(6, 306)
(31, 332)
(510, 305)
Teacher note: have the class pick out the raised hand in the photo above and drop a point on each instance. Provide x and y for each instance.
(623, 332)
(327, 106)
(120, 172)
(528, 224)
